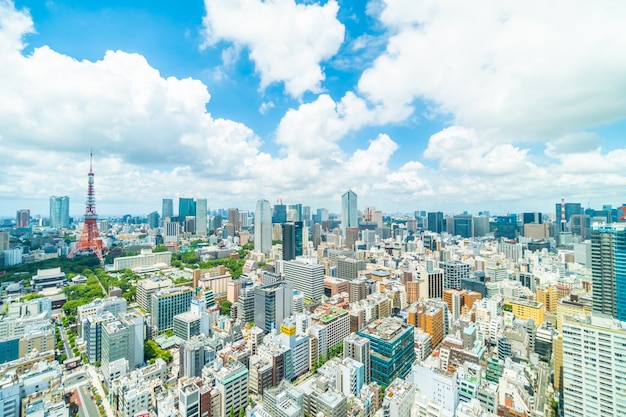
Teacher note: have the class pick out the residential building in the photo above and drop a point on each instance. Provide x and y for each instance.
(608, 268)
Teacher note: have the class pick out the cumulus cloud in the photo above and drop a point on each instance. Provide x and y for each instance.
(533, 70)
(287, 41)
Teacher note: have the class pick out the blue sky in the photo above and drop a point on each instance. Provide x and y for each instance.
(416, 105)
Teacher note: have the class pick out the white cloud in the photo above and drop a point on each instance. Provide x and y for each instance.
(287, 41)
(266, 106)
(531, 70)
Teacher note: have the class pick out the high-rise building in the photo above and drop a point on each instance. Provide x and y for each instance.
(464, 225)
(272, 304)
(570, 209)
(391, 342)
(263, 227)
(292, 234)
(22, 219)
(153, 220)
(167, 209)
(4, 241)
(231, 381)
(186, 207)
(201, 217)
(233, 218)
(168, 303)
(435, 222)
(358, 348)
(307, 278)
(280, 214)
(608, 269)
(59, 212)
(594, 365)
(115, 346)
(349, 213)
(453, 273)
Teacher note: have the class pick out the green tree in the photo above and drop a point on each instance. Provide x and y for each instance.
(225, 307)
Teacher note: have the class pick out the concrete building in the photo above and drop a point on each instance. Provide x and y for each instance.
(608, 267)
(147, 287)
(146, 259)
(594, 365)
(305, 277)
(399, 399)
(231, 381)
(358, 348)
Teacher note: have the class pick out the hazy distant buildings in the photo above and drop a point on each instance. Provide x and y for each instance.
(263, 227)
(167, 209)
(59, 212)
(201, 217)
(349, 217)
(435, 222)
(186, 207)
(22, 218)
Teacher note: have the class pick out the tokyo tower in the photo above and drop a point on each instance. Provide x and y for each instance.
(90, 239)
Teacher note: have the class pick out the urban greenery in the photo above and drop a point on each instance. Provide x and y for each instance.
(151, 351)
(333, 351)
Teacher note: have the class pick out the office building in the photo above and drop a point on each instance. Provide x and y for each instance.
(154, 220)
(233, 219)
(594, 365)
(167, 208)
(348, 268)
(399, 399)
(272, 304)
(59, 212)
(147, 287)
(391, 342)
(4, 241)
(453, 273)
(133, 320)
(279, 215)
(306, 278)
(115, 346)
(201, 217)
(349, 213)
(22, 219)
(608, 269)
(186, 208)
(358, 348)
(434, 222)
(166, 304)
(231, 381)
(464, 225)
(263, 227)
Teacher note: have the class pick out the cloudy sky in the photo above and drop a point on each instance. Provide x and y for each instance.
(415, 105)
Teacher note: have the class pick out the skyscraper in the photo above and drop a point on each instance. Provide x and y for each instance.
(167, 209)
(22, 218)
(186, 207)
(280, 213)
(292, 240)
(59, 212)
(349, 210)
(608, 269)
(435, 221)
(263, 227)
(201, 217)
(233, 218)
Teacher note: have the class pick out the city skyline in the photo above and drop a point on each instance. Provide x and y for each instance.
(195, 101)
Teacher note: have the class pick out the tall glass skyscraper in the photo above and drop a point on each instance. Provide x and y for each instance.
(59, 212)
(167, 209)
(186, 207)
(608, 269)
(349, 214)
(263, 227)
(201, 217)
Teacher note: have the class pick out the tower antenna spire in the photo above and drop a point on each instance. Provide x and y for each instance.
(90, 239)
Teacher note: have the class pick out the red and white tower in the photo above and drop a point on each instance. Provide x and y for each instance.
(90, 239)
